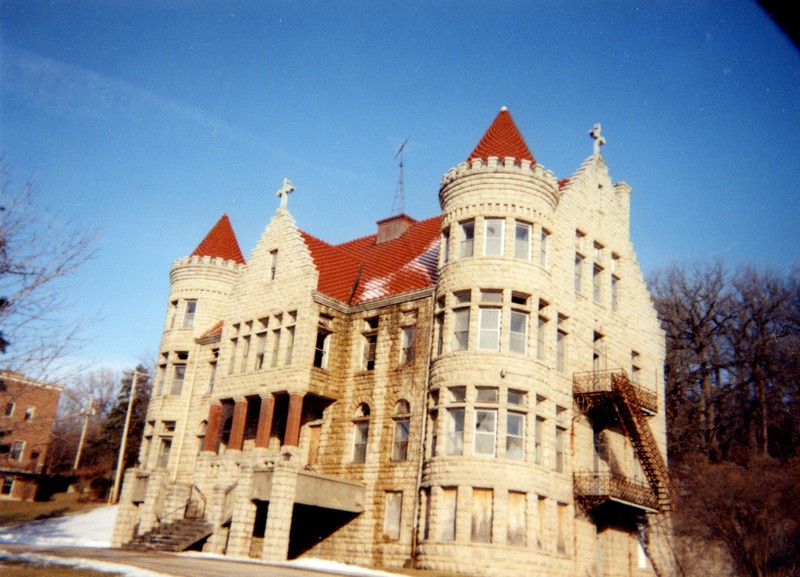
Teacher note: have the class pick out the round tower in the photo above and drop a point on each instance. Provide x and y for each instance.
(484, 468)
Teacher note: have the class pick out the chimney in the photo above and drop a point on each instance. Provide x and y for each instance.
(393, 227)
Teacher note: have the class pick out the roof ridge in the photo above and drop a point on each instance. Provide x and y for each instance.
(502, 139)
(221, 242)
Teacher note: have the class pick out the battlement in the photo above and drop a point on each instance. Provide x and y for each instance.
(494, 164)
(189, 261)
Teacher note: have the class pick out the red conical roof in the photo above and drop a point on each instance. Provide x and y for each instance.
(502, 139)
(221, 242)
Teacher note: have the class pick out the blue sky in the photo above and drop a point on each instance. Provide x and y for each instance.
(149, 120)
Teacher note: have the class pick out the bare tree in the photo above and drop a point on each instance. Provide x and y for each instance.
(36, 254)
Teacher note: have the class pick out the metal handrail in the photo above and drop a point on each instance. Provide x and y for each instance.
(611, 485)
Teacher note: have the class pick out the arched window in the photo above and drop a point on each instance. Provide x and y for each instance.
(360, 433)
(402, 417)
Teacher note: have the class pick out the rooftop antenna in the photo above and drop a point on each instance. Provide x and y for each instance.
(399, 202)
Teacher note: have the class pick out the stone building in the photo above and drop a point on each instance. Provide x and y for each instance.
(26, 426)
(480, 392)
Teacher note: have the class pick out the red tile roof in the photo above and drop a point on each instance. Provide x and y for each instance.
(221, 242)
(362, 270)
(502, 139)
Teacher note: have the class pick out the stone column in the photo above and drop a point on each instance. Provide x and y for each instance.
(281, 506)
(244, 516)
(292, 436)
(212, 429)
(265, 421)
(237, 426)
(127, 512)
(214, 513)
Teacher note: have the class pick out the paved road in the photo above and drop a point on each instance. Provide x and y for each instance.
(169, 563)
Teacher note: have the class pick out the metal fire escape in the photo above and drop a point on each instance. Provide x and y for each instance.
(607, 394)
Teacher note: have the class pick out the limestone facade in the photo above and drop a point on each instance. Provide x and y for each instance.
(479, 392)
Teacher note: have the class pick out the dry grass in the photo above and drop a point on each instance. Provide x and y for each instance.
(61, 504)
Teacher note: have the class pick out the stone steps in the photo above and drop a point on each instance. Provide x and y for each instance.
(174, 536)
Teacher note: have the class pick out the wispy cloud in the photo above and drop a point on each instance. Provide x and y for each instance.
(69, 91)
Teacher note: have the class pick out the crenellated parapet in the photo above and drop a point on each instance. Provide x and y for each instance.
(499, 180)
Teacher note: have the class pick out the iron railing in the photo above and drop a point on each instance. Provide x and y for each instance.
(598, 487)
(598, 382)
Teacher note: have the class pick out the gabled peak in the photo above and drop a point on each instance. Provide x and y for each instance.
(221, 242)
(502, 139)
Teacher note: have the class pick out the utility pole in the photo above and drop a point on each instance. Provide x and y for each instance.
(114, 497)
(87, 412)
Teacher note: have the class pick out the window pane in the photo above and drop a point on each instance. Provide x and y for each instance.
(490, 330)
(485, 432)
(518, 341)
(494, 237)
(522, 241)
(460, 329)
(486, 395)
(449, 503)
(400, 443)
(467, 231)
(455, 431)
(515, 436)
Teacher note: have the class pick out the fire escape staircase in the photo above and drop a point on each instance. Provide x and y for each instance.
(611, 393)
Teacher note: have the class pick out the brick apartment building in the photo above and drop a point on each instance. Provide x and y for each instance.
(27, 414)
(480, 391)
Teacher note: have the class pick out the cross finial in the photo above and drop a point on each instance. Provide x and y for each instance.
(599, 139)
(283, 192)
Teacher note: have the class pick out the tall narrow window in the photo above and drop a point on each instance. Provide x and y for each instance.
(538, 440)
(360, 433)
(578, 273)
(178, 376)
(544, 248)
(433, 424)
(494, 236)
(485, 431)
(9, 409)
(522, 240)
(518, 338)
(516, 518)
(163, 452)
(614, 293)
(482, 513)
(449, 510)
(439, 334)
(29, 413)
(245, 353)
(466, 239)
(445, 246)
(561, 349)
(540, 521)
(489, 338)
(455, 431)
(561, 433)
(393, 504)
(17, 450)
(460, 329)
(8, 486)
(321, 349)
(273, 264)
(561, 528)
(541, 334)
(188, 315)
(515, 436)
(598, 354)
(276, 347)
(635, 368)
(261, 345)
(173, 313)
(402, 418)
(406, 345)
(370, 344)
(289, 345)
(232, 358)
(212, 375)
(597, 282)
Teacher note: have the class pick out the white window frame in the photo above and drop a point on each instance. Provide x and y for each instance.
(493, 244)
(466, 238)
(522, 247)
(490, 321)
(485, 432)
